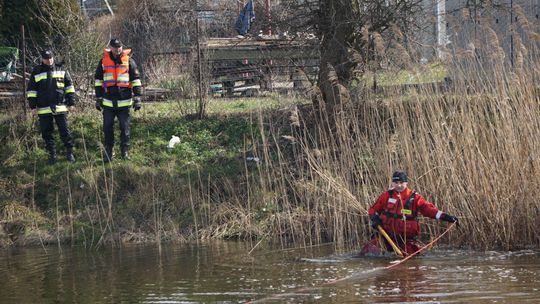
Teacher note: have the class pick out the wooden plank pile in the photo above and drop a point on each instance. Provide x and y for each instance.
(258, 49)
(11, 89)
(237, 64)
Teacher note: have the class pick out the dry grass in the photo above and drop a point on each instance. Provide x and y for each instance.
(471, 148)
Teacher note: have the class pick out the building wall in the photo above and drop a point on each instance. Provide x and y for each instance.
(464, 23)
(467, 23)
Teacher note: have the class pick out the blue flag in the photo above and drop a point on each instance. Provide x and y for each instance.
(247, 16)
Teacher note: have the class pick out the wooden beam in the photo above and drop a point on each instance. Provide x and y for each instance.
(262, 53)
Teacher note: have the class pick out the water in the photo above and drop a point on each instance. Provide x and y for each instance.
(224, 272)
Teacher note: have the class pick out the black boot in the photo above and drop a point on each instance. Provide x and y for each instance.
(52, 157)
(69, 156)
(108, 156)
(125, 154)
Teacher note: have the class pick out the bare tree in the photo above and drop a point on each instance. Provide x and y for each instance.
(73, 38)
(346, 29)
(347, 32)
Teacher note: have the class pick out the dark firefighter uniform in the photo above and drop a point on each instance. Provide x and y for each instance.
(50, 92)
(118, 88)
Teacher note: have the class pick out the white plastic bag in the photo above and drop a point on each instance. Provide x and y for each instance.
(174, 140)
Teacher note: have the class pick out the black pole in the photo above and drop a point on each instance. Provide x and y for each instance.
(23, 49)
(202, 105)
(267, 8)
(475, 20)
(83, 8)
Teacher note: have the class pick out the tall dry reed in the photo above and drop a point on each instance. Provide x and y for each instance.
(470, 146)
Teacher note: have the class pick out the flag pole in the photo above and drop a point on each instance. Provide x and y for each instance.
(268, 16)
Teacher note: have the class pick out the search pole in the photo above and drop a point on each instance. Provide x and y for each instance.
(267, 75)
(23, 49)
(202, 103)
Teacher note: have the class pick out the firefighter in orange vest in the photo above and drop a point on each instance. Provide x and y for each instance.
(118, 88)
(396, 210)
(50, 93)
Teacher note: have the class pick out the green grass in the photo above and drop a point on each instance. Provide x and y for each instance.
(421, 74)
(220, 106)
(182, 84)
(218, 139)
(210, 149)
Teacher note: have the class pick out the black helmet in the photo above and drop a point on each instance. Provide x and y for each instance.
(46, 54)
(399, 176)
(115, 43)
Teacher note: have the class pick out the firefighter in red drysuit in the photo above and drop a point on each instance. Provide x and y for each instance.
(396, 210)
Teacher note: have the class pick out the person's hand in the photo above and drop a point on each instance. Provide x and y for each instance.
(34, 111)
(99, 102)
(70, 101)
(376, 221)
(53, 108)
(136, 103)
(449, 218)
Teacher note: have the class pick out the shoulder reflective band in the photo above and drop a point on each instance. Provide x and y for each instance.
(40, 76)
(70, 89)
(30, 94)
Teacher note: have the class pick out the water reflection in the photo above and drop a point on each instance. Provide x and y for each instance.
(224, 272)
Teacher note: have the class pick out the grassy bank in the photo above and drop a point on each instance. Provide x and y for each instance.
(160, 193)
(276, 169)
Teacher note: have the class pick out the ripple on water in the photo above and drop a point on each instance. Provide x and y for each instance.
(215, 274)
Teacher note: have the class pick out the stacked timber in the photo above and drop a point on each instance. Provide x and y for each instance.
(250, 48)
(11, 89)
(246, 65)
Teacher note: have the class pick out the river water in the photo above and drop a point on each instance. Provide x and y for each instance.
(226, 272)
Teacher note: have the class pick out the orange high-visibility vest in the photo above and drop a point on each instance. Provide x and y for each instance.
(116, 74)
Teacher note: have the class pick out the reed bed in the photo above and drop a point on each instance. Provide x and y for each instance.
(469, 145)
(309, 174)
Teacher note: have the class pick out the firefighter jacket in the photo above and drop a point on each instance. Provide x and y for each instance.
(398, 211)
(117, 79)
(50, 89)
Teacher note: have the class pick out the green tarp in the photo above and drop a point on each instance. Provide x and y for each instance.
(8, 61)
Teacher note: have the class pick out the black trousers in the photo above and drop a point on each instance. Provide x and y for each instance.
(46, 124)
(124, 119)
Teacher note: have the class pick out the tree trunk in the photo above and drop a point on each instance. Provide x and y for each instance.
(336, 66)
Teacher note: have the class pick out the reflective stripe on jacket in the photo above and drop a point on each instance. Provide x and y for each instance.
(116, 74)
(120, 103)
(50, 85)
(117, 79)
(47, 110)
